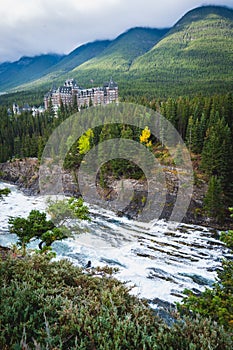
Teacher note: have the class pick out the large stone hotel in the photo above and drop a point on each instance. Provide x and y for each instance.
(70, 91)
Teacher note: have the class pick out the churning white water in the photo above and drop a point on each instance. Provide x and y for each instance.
(159, 258)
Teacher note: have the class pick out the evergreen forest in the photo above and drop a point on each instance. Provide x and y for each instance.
(204, 123)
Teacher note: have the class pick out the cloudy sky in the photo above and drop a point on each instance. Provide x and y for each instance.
(31, 27)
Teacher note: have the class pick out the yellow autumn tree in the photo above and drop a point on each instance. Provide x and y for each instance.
(84, 143)
(144, 137)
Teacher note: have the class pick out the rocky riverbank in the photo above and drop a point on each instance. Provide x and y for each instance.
(25, 174)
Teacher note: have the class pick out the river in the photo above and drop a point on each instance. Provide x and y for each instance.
(159, 258)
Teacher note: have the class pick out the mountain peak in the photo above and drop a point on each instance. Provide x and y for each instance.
(203, 12)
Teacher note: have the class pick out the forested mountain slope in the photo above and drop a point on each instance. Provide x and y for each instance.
(117, 59)
(99, 60)
(196, 55)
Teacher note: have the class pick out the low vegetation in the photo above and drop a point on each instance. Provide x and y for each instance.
(55, 305)
(217, 302)
(4, 192)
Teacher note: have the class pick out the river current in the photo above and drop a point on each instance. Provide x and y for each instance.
(159, 258)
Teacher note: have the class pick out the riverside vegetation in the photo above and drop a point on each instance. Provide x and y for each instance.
(48, 304)
(55, 305)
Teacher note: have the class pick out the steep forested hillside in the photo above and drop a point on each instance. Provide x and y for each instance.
(99, 60)
(117, 59)
(58, 72)
(196, 55)
(80, 55)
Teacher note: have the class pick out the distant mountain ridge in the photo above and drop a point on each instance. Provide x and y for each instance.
(26, 69)
(81, 54)
(195, 55)
(128, 46)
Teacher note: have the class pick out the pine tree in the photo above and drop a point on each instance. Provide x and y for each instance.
(190, 134)
(217, 155)
(214, 199)
(50, 110)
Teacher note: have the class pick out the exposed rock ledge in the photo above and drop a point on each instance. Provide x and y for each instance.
(25, 174)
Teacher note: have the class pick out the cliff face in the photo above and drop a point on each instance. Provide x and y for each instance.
(25, 174)
(138, 190)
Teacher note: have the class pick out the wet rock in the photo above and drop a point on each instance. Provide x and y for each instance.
(161, 274)
(112, 262)
(164, 310)
(200, 280)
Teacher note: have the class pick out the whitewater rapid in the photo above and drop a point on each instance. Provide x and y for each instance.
(159, 258)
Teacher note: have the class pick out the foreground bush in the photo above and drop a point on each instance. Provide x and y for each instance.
(55, 305)
(218, 301)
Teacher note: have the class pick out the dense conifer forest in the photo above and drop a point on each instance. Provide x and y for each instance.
(205, 124)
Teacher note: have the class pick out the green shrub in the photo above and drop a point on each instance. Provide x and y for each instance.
(195, 334)
(59, 306)
(4, 192)
(54, 305)
(217, 302)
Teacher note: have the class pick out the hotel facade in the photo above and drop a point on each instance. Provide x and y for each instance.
(70, 93)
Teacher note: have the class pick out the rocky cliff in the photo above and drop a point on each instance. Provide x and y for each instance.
(25, 174)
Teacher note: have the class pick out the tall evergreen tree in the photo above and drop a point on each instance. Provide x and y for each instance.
(217, 155)
(214, 200)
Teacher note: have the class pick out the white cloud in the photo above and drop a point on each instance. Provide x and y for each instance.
(30, 27)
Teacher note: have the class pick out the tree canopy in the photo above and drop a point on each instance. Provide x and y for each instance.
(37, 227)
